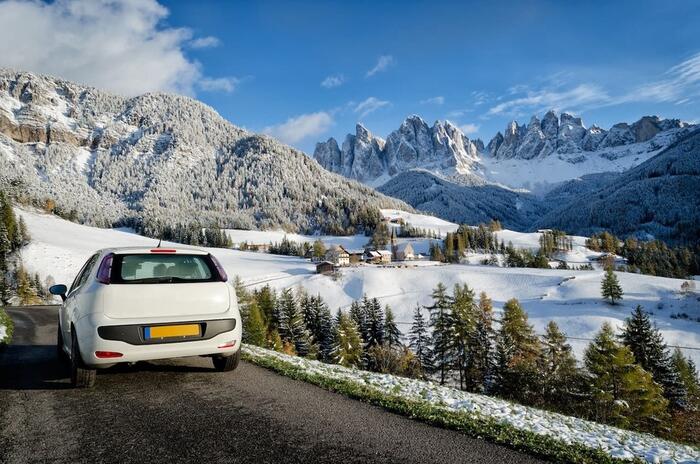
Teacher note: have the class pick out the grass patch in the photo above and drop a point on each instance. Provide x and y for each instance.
(471, 424)
(6, 321)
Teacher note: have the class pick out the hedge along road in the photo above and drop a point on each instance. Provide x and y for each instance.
(183, 411)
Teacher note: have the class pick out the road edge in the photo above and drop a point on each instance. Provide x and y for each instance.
(470, 424)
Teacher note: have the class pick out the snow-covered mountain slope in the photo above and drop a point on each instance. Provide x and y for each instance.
(464, 204)
(571, 298)
(660, 197)
(535, 156)
(162, 159)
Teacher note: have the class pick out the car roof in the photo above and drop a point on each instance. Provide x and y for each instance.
(149, 250)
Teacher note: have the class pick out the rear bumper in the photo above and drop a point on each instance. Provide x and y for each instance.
(127, 339)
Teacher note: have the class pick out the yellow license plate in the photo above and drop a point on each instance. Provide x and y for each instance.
(170, 331)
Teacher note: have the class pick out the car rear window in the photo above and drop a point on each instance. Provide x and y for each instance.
(161, 268)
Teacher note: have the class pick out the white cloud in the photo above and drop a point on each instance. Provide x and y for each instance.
(383, 63)
(369, 105)
(219, 84)
(205, 42)
(535, 101)
(679, 85)
(301, 127)
(333, 81)
(469, 128)
(439, 100)
(121, 46)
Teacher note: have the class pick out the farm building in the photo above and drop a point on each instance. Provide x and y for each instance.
(404, 252)
(337, 255)
(325, 267)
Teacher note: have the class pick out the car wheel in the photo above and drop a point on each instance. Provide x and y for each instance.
(80, 375)
(59, 344)
(227, 363)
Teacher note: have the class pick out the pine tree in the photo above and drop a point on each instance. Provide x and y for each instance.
(347, 350)
(649, 350)
(610, 287)
(623, 393)
(375, 323)
(480, 361)
(518, 351)
(266, 298)
(419, 340)
(689, 376)
(291, 325)
(463, 326)
(560, 376)
(359, 315)
(392, 335)
(326, 333)
(442, 336)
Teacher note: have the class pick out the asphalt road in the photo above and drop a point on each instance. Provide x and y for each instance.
(183, 411)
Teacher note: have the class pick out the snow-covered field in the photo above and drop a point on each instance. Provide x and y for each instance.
(616, 442)
(571, 298)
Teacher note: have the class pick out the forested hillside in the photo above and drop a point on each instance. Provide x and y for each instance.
(158, 159)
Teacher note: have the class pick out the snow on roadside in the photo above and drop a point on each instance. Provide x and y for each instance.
(617, 442)
(3, 332)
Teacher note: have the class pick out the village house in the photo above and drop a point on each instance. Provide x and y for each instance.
(373, 256)
(404, 252)
(337, 255)
(384, 256)
(355, 256)
(325, 267)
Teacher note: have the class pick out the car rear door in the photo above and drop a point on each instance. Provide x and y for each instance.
(72, 303)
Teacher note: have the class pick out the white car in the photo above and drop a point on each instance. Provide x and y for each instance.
(137, 304)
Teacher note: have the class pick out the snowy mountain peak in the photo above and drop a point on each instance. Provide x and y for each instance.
(413, 145)
(567, 135)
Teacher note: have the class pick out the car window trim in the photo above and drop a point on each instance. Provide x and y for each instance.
(87, 268)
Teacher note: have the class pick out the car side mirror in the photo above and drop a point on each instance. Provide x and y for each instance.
(60, 290)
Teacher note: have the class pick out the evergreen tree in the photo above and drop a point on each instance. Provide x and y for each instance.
(480, 360)
(359, 315)
(274, 341)
(375, 323)
(392, 335)
(326, 333)
(623, 393)
(649, 350)
(464, 324)
(442, 336)
(560, 376)
(610, 287)
(419, 340)
(347, 350)
(518, 351)
(266, 298)
(689, 376)
(291, 323)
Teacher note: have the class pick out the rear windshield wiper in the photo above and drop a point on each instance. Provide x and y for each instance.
(158, 280)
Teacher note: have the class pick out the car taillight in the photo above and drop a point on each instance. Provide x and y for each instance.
(230, 344)
(105, 270)
(107, 354)
(219, 268)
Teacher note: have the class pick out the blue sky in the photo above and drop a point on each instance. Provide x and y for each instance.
(304, 71)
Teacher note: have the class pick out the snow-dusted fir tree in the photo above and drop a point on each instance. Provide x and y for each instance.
(441, 323)
(292, 328)
(419, 340)
(610, 287)
(375, 322)
(649, 350)
(392, 334)
(480, 360)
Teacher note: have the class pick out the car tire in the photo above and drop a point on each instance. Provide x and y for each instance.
(80, 375)
(227, 363)
(59, 344)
